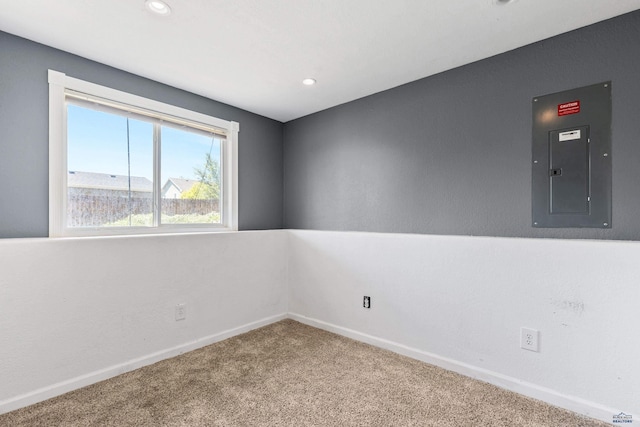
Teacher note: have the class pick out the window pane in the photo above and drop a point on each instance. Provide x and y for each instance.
(110, 169)
(190, 177)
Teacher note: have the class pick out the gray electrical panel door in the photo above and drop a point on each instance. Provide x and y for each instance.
(571, 158)
(569, 171)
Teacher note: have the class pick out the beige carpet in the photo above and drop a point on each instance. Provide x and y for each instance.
(290, 374)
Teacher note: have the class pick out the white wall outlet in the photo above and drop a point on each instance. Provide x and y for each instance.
(181, 311)
(529, 339)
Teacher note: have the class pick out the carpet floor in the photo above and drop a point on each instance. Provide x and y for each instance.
(290, 374)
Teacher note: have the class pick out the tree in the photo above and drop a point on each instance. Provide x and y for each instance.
(200, 191)
(208, 185)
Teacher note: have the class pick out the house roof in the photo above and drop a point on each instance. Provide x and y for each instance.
(181, 183)
(106, 181)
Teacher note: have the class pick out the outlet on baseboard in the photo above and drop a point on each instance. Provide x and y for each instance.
(181, 311)
(529, 339)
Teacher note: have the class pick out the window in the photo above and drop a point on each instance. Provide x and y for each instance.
(123, 164)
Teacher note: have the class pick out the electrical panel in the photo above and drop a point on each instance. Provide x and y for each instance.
(571, 158)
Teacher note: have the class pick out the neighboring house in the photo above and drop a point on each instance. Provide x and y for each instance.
(174, 187)
(102, 184)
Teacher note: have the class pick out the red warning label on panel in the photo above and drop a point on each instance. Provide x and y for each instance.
(567, 108)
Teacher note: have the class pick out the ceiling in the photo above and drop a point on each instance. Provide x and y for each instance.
(253, 54)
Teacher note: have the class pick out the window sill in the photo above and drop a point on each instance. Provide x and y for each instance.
(141, 232)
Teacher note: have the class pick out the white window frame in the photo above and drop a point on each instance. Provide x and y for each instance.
(59, 84)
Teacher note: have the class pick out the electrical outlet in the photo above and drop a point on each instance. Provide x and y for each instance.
(529, 339)
(181, 311)
(366, 302)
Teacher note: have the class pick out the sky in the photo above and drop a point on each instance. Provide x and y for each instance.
(97, 142)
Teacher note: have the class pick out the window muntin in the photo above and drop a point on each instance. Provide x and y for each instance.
(119, 164)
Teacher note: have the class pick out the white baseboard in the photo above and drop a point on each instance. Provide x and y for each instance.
(544, 394)
(112, 371)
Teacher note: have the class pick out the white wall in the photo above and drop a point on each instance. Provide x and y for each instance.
(459, 302)
(75, 311)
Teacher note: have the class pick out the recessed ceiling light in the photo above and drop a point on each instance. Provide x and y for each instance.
(504, 1)
(309, 82)
(158, 6)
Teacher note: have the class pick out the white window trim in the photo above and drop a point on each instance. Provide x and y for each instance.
(58, 84)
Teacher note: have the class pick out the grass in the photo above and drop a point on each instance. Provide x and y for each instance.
(146, 220)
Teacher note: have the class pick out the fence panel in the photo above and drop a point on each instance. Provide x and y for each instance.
(100, 210)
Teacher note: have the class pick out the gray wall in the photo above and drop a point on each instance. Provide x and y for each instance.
(450, 154)
(24, 136)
